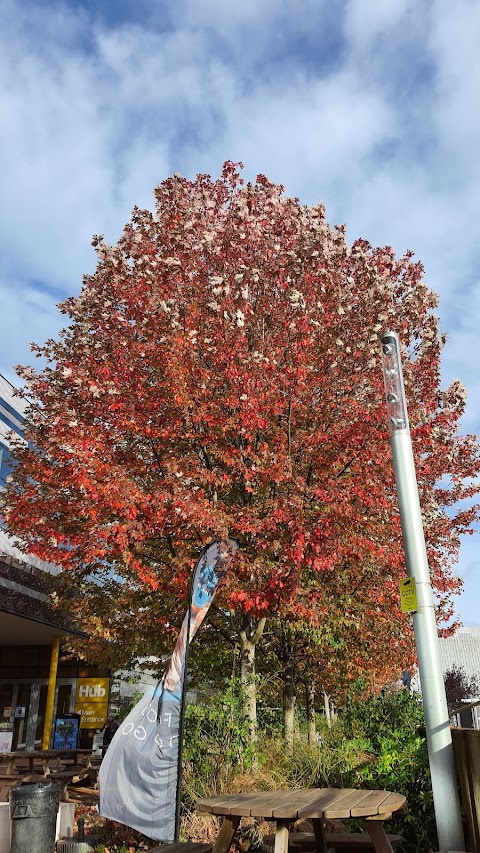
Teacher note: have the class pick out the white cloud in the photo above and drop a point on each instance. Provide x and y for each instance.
(307, 133)
(367, 20)
(453, 47)
(462, 354)
(250, 28)
(88, 134)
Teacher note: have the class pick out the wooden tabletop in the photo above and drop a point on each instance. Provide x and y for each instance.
(327, 803)
(10, 760)
(43, 753)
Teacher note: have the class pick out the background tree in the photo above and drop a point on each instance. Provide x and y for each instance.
(220, 374)
(460, 687)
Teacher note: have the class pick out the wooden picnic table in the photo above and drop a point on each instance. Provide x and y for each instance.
(9, 760)
(56, 765)
(317, 804)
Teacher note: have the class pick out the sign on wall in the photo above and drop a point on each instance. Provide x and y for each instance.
(6, 738)
(91, 702)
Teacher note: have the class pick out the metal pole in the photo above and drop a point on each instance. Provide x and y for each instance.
(181, 721)
(52, 680)
(437, 723)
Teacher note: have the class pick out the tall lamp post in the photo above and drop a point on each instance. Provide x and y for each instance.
(437, 723)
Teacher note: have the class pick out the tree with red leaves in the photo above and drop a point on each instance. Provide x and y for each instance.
(221, 375)
(460, 687)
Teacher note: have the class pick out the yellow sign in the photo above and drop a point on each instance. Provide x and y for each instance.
(92, 690)
(91, 702)
(92, 716)
(408, 595)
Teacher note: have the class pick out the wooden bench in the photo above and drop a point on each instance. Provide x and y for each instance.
(79, 794)
(25, 770)
(343, 842)
(348, 841)
(64, 778)
(6, 785)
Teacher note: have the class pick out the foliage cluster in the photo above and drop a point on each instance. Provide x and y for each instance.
(216, 744)
(127, 704)
(397, 760)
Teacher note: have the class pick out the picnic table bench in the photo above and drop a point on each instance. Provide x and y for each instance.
(342, 842)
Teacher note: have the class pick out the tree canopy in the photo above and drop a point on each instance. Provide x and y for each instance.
(220, 375)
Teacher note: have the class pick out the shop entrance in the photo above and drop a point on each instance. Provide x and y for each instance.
(23, 703)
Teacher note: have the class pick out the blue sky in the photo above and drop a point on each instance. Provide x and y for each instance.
(370, 106)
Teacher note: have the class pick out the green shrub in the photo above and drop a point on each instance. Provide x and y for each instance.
(216, 744)
(270, 721)
(378, 716)
(396, 759)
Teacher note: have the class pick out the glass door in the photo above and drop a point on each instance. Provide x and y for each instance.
(25, 705)
(6, 715)
(64, 695)
(35, 724)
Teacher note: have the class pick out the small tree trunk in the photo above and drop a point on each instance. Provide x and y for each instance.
(247, 675)
(326, 702)
(289, 698)
(289, 695)
(250, 634)
(310, 703)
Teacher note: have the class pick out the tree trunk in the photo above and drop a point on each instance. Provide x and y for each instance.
(310, 703)
(289, 694)
(326, 702)
(250, 634)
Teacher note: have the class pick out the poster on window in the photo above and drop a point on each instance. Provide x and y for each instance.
(6, 738)
(65, 734)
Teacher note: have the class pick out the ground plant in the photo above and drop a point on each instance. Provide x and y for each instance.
(396, 759)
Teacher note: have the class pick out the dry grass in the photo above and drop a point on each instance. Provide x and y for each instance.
(199, 826)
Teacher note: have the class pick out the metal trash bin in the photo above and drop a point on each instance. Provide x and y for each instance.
(33, 814)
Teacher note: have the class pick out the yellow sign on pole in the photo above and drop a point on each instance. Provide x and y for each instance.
(408, 595)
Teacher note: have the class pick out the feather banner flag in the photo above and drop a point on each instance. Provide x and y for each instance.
(139, 777)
